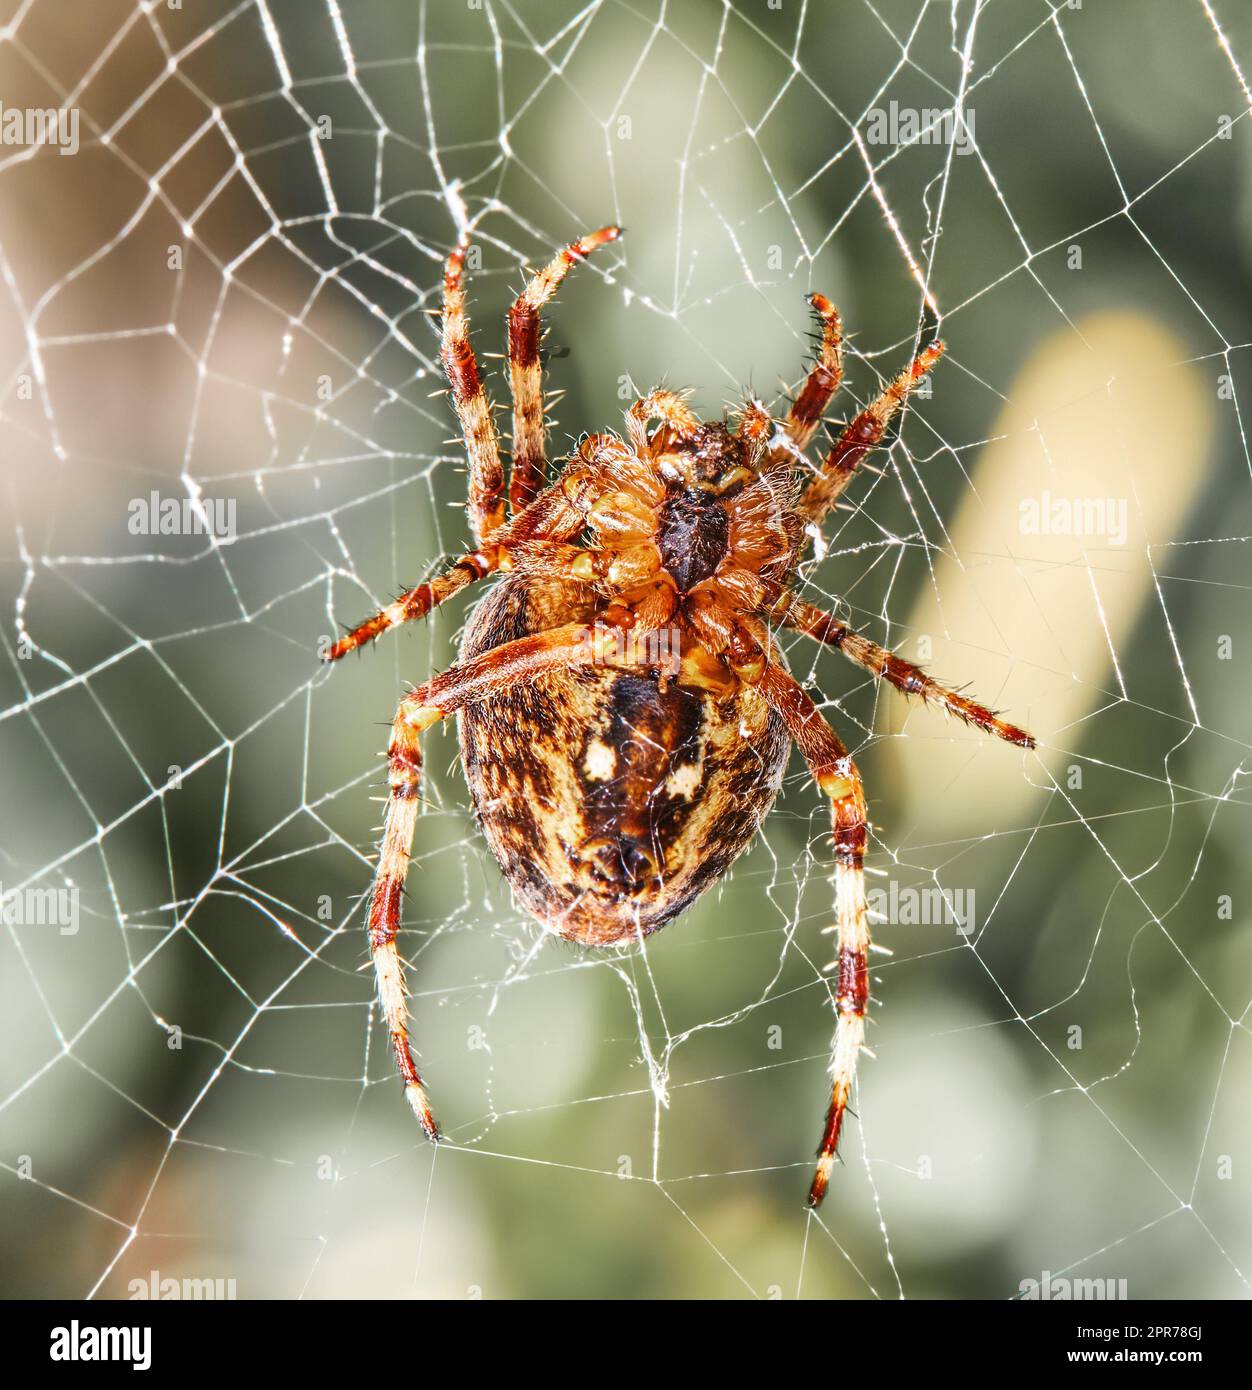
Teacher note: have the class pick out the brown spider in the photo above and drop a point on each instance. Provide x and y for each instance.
(624, 715)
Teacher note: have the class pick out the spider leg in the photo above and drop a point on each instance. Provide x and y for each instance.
(911, 680)
(535, 535)
(836, 774)
(404, 780)
(486, 473)
(863, 434)
(671, 409)
(419, 601)
(475, 679)
(820, 385)
(525, 373)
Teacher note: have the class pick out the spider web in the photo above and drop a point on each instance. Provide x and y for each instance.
(224, 296)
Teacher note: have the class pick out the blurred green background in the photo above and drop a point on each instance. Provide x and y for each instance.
(226, 292)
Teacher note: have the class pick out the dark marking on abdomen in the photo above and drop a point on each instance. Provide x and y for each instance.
(607, 858)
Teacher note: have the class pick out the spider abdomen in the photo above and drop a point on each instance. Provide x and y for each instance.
(610, 803)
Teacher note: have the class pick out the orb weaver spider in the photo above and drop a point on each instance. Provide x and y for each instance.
(624, 714)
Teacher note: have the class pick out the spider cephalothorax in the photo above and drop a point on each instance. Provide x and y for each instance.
(624, 713)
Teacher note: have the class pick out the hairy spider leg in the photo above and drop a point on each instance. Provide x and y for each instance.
(836, 774)
(529, 464)
(911, 680)
(492, 673)
(670, 408)
(819, 387)
(756, 426)
(418, 601)
(473, 409)
(863, 434)
(556, 515)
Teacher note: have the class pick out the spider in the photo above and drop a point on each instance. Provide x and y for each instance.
(624, 715)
